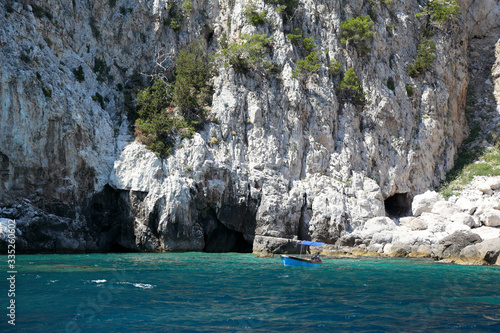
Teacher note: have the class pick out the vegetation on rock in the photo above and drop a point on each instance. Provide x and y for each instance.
(101, 69)
(440, 11)
(168, 109)
(79, 74)
(246, 54)
(310, 64)
(350, 88)
(425, 56)
(254, 16)
(334, 67)
(175, 17)
(357, 32)
(287, 7)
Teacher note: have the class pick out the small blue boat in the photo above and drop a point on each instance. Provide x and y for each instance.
(315, 260)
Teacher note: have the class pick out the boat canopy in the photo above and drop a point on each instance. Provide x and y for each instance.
(311, 243)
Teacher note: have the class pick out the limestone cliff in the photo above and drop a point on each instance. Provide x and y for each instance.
(285, 158)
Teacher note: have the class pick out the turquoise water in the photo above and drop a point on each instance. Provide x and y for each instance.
(199, 292)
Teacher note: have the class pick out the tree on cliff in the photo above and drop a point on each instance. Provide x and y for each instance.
(174, 107)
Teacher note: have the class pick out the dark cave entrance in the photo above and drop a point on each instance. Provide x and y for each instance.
(398, 205)
(222, 239)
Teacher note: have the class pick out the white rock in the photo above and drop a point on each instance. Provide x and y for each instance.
(487, 232)
(378, 224)
(466, 205)
(424, 202)
(491, 218)
(137, 169)
(445, 208)
(465, 219)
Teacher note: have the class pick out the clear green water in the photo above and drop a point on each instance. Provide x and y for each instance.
(199, 292)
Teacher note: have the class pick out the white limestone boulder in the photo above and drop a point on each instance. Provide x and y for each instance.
(424, 202)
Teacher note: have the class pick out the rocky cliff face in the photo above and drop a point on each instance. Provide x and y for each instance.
(286, 158)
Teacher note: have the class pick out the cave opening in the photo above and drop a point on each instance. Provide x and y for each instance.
(222, 239)
(398, 205)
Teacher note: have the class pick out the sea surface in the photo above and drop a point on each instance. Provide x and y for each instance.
(201, 292)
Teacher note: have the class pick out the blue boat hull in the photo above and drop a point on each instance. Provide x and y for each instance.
(294, 261)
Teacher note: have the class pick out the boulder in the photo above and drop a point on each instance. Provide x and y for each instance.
(466, 205)
(421, 251)
(424, 202)
(470, 255)
(445, 208)
(464, 219)
(491, 218)
(488, 185)
(490, 250)
(453, 244)
(398, 249)
(417, 224)
(435, 223)
(266, 244)
(487, 232)
(375, 226)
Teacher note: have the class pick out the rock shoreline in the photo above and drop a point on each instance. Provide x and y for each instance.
(464, 229)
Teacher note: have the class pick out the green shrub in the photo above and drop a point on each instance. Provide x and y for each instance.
(467, 166)
(287, 7)
(98, 98)
(307, 66)
(79, 74)
(191, 90)
(350, 88)
(295, 37)
(187, 8)
(253, 16)
(440, 10)
(425, 56)
(101, 69)
(334, 67)
(270, 68)
(112, 3)
(246, 55)
(175, 17)
(409, 90)
(47, 92)
(308, 44)
(357, 32)
(158, 123)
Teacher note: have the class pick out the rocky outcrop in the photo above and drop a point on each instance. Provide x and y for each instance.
(455, 230)
(283, 158)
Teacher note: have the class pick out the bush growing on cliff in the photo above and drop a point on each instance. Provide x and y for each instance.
(308, 65)
(357, 32)
(191, 89)
(425, 56)
(175, 17)
(101, 69)
(253, 16)
(350, 88)
(334, 67)
(295, 37)
(286, 7)
(409, 90)
(187, 8)
(79, 74)
(440, 10)
(170, 109)
(247, 54)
